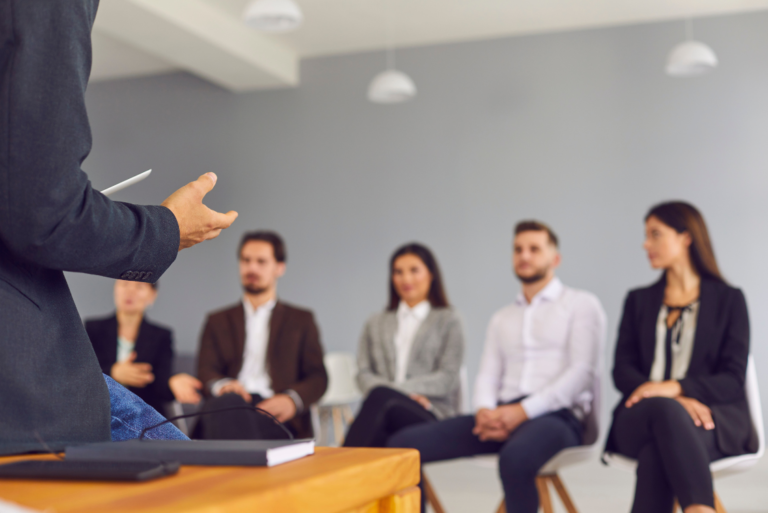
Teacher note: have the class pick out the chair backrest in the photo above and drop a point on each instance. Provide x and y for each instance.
(342, 371)
(592, 420)
(755, 407)
(460, 396)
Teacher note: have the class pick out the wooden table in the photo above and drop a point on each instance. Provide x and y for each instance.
(332, 481)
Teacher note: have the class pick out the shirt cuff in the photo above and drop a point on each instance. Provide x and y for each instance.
(296, 398)
(217, 386)
(535, 406)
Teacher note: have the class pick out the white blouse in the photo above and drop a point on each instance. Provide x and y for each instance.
(683, 333)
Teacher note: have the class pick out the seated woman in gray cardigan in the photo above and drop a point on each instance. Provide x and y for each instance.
(410, 354)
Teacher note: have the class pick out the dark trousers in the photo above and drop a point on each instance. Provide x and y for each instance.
(242, 424)
(673, 455)
(521, 456)
(384, 412)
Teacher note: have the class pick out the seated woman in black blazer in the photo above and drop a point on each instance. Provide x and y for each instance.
(137, 353)
(681, 361)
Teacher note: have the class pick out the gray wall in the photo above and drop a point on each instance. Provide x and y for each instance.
(581, 129)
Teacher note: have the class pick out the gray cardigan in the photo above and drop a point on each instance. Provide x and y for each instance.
(433, 365)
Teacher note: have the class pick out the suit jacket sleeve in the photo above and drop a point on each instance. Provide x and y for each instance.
(95, 334)
(627, 373)
(49, 214)
(367, 376)
(314, 379)
(445, 378)
(726, 384)
(161, 367)
(210, 367)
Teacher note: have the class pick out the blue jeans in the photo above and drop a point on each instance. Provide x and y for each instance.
(130, 415)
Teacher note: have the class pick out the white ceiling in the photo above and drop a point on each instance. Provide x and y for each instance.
(344, 26)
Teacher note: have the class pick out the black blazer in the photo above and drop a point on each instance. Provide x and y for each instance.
(154, 345)
(51, 221)
(718, 366)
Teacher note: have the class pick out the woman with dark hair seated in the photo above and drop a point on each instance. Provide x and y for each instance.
(681, 362)
(138, 354)
(409, 355)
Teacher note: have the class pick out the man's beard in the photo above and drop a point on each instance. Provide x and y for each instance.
(250, 289)
(533, 278)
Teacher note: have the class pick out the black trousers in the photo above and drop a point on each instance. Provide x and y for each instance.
(527, 449)
(384, 412)
(242, 424)
(673, 455)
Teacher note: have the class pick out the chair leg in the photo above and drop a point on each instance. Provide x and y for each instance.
(348, 417)
(719, 508)
(338, 426)
(432, 498)
(502, 507)
(544, 500)
(563, 493)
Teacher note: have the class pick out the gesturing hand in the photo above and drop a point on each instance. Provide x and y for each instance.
(671, 389)
(196, 221)
(185, 388)
(132, 374)
(700, 413)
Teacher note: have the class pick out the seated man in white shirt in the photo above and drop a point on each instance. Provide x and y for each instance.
(260, 352)
(541, 356)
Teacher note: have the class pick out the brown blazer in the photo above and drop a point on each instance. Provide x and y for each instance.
(294, 355)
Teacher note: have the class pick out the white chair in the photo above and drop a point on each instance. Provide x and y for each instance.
(341, 394)
(549, 472)
(725, 466)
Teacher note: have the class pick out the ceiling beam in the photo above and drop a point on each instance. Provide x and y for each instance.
(201, 39)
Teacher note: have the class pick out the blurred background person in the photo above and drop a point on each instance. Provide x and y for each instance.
(680, 364)
(409, 355)
(137, 353)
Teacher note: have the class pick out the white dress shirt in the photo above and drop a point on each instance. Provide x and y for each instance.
(253, 374)
(408, 323)
(548, 350)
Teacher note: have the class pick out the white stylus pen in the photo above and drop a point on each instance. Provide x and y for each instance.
(127, 183)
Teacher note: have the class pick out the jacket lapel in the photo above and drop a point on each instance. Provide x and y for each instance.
(651, 315)
(389, 328)
(705, 323)
(276, 322)
(420, 339)
(110, 351)
(143, 346)
(238, 328)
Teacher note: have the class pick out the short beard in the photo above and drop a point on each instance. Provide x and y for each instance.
(533, 278)
(255, 291)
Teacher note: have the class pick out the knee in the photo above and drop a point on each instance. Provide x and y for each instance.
(379, 394)
(407, 438)
(514, 466)
(664, 409)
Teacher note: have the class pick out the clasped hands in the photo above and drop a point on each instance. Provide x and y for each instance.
(281, 406)
(496, 425)
(699, 412)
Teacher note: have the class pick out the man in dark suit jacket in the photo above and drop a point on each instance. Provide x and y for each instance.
(51, 220)
(262, 352)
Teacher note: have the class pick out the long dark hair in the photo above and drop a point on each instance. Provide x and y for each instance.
(437, 296)
(684, 217)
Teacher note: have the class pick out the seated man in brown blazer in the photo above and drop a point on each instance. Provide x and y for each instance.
(260, 352)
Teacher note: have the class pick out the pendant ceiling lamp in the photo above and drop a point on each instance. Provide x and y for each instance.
(391, 86)
(690, 58)
(273, 15)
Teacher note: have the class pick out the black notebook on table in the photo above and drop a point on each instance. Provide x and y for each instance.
(259, 453)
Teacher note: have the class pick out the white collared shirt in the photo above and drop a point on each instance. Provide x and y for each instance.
(408, 323)
(548, 350)
(253, 374)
